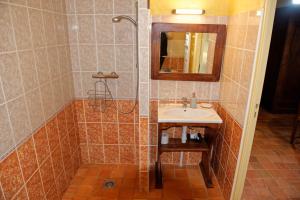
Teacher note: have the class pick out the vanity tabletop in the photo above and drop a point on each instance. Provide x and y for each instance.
(176, 113)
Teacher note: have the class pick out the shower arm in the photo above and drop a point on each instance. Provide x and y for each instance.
(137, 56)
(119, 18)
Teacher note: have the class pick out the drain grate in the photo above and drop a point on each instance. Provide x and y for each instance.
(108, 184)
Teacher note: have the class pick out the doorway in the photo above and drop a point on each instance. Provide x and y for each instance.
(274, 166)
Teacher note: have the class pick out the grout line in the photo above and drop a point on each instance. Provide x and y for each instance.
(117, 88)
(227, 77)
(42, 47)
(59, 146)
(85, 129)
(31, 135)
(88, 14)
(40, 97)
(118, 128)
(48, 64)
(105, 44)
(78, 50)
(98, 69)
(1, 189)
(239, 48)
(16, 145)
(33, 8)
(18, 67)
(51, 79)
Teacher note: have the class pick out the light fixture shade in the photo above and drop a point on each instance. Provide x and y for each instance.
(188, 11)
(296, 1)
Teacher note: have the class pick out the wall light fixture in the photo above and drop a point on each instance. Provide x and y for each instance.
(296, 1)
(188, 11)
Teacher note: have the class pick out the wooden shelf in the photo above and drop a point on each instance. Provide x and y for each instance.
(175, 145)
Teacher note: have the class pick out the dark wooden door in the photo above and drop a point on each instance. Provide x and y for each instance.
(281, 92)
(288, 88)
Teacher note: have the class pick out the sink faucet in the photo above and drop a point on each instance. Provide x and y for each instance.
(184, 102)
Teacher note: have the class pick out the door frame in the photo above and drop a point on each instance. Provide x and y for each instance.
(260, 65)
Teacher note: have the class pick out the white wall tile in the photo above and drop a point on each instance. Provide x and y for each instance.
(34, 104)
(19, 118)
(6, 136)
(10, 76)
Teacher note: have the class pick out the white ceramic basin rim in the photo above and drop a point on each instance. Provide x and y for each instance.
(175, 113)
(188, 112)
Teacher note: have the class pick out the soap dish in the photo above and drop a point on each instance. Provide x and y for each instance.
(206, 105)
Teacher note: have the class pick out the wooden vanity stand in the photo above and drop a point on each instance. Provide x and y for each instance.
(175, 145)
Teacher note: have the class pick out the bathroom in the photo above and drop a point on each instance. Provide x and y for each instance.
(69, 132)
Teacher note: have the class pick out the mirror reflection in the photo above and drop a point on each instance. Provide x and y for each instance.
(187, 52)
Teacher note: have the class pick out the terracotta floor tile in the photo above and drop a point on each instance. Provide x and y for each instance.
(274, 166)
(129, 183)
(89, 180)
(200, 193)
(88, 184)
(84, 191)
(126, 193)
(214, 193)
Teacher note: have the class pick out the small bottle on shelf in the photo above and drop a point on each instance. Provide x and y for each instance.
(193, 101)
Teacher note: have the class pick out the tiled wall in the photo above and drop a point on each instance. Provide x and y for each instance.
(108, 137)
(35, 69)
(238, 63)
(45, 44)
(38, 148)
(226, 152)
(97, 44)
(45, 163)
(144, 95)
(240, 50)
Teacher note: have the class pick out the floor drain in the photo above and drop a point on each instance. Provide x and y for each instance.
(108, 184)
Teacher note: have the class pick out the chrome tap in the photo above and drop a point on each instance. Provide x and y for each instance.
(184, 102)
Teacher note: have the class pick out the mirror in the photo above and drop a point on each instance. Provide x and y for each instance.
(187, 51)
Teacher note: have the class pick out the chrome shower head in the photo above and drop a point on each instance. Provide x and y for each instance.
(116, 19)
(119, 18)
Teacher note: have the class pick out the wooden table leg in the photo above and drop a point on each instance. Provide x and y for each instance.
(205, 167)
(158, 175)
(158, 171)
(294, 132)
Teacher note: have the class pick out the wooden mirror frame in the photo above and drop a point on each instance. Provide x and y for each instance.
(158, 28)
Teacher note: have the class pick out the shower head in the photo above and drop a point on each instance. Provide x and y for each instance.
(116, 19)
(119, 18)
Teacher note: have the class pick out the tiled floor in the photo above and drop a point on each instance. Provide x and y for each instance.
(274, 168)
(179, 183)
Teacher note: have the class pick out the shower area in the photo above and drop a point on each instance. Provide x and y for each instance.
(74, 90)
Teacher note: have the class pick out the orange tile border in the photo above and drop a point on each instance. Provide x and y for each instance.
(27, 158)
(111, 154)
(34, 187)
(41, 144)
(11, 175)
(126, 133)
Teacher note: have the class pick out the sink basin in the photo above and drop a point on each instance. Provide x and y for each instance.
(175, 113)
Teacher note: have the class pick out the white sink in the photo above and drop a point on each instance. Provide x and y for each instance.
(176, 113)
